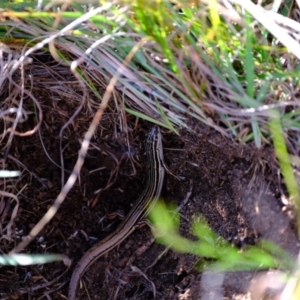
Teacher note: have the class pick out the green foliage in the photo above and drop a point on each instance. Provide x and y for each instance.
(221, 254)
(284, 160)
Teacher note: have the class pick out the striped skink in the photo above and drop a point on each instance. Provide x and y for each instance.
(142, 207)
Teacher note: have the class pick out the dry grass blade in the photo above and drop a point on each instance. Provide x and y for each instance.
(260, 15)
(9, 227)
